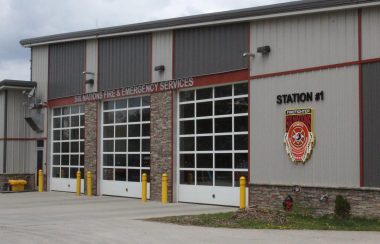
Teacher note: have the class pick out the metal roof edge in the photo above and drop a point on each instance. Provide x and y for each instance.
(17, 84)
(209, 18)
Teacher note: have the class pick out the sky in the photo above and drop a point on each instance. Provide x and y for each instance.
(20, 19)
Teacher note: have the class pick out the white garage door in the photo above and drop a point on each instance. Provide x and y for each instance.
(212, 144)
(125, 146)
(67, 155)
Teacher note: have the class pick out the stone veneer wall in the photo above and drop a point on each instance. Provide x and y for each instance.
(160, 142)
(30, 179)
(90, 144)
(364, 201)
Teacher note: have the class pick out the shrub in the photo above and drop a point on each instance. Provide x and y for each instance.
(342, 207)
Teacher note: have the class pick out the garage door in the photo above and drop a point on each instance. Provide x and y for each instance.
(212, 144)
(125, 146)
(67, 154)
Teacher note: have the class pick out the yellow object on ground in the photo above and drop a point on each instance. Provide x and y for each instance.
(144, 187)
(89, 183)
(242, 192)
(78, 183)
(17, 185)
(164, 190)
(40, 180)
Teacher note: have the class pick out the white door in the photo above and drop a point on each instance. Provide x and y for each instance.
(125, 146)
(212, 144)
(67, 154)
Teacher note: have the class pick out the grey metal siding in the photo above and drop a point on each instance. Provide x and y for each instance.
(162, 54)
(124, 61)
(335, 160)
(371, 32)
(66, 64)
(17, 110)
(40, 74)
(208, 50)
(2, 120)
(371, 124)
(1, 156)
(40, 67)
(92, 60)
(2, 108)
(21, 157)
(304, 41)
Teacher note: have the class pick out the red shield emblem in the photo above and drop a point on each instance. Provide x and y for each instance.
(299, 137)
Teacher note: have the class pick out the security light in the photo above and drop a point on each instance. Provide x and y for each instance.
(159, 68)
(263, 50)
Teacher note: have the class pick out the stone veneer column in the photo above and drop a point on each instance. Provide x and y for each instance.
(90, 144)
(160, 143)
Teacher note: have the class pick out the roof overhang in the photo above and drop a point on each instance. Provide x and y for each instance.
(241, 15)
(17, 85)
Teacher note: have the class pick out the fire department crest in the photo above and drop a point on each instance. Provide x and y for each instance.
(299, 138)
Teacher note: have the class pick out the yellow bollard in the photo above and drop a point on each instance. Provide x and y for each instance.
(144, 187)
(242, 192)
(89, 183)
(164, 190)
(78, 183)
(40, 180)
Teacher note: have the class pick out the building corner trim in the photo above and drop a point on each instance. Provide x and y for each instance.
(5, 131)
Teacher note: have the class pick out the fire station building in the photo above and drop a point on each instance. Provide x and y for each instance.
(286, 95)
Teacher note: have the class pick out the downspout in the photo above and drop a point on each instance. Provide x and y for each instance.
(31, 64)
(5, 131)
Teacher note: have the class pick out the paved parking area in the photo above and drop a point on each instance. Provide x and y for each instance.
(53, 217)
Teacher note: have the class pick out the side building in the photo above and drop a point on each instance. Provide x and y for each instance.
(210, 98)
(21, 148)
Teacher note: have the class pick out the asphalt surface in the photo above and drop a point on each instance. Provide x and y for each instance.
(53, 217)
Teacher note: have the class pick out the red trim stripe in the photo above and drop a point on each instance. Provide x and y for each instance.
(372, 60)
(360, 97)
(296, 71)
(172, 144)
(47, 148)
(214, 79)
(61, 102)
(249, 140)
(97, 153)
(249, 116)
(359, 34)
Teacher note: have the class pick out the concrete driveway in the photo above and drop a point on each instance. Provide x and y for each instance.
(53, 217)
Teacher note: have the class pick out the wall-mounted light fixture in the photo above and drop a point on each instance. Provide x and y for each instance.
(159, 68)
(263, 50)
(89, 76)
(89, 81)
(247, 54)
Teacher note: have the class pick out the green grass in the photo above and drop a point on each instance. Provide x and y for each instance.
(293, 221)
